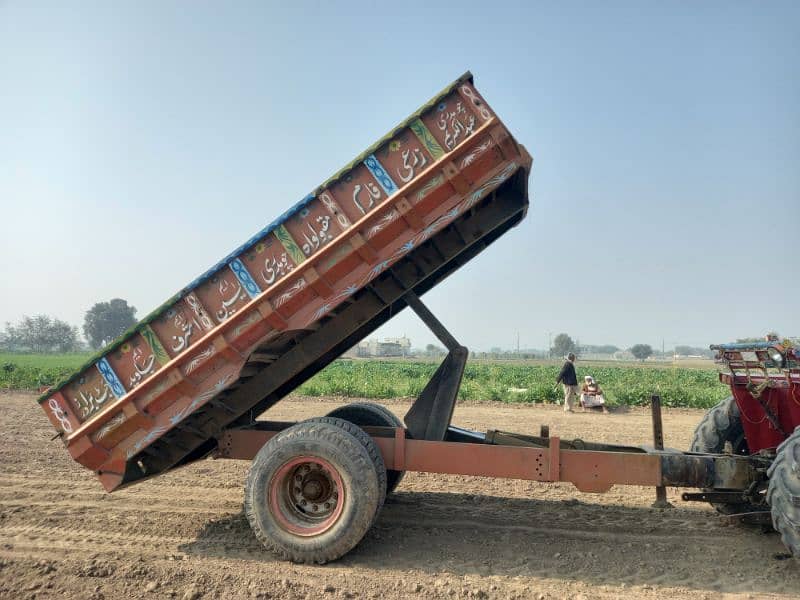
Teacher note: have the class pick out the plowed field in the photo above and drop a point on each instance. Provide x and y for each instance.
(183, 535)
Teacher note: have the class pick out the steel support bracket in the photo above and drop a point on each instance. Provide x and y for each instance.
(430, 415)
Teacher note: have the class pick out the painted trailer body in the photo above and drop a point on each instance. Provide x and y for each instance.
(412, 208)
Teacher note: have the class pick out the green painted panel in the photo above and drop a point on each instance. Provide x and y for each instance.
(291, 246)
(427, 139)
(158, 350)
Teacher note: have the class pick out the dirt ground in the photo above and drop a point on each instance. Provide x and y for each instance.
(183, 535)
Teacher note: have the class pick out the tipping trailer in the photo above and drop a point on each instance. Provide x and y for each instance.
(192, 378)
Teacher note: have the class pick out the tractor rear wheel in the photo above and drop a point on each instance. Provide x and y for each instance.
(312, 493)
(784, 490)
(367, 414)
(721, 424)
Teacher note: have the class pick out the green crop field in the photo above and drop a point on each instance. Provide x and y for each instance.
(504, 381)
(629, 384)
(32, 371)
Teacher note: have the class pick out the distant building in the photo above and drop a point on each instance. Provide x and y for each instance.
(374, 348)
(596, 355)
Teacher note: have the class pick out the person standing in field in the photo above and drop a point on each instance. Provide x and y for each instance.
(569, 380)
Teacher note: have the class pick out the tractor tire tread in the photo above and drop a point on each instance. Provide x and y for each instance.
(783, 493)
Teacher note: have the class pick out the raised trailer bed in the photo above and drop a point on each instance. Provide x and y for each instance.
(414, 207)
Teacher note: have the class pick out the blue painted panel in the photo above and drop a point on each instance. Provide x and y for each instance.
(247, 245)
(746, 345)
(111, 377)
(377, 170)
(244, 277)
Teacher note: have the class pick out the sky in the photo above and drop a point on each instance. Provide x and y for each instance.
(140, 142)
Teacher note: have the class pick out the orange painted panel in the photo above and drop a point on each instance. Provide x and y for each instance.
(357, 193)
(222, 295)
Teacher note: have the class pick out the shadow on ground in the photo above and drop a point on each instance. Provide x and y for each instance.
(568, 540)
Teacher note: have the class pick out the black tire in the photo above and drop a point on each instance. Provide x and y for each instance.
(311, 493)
(367, 414)
(722, 423)
(783, 491)
(369, 445)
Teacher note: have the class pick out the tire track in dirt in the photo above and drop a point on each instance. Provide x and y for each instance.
(98, 541)
(587, 520)
(92, 486)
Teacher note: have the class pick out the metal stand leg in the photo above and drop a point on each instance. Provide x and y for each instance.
(658, 442)
(430, 415)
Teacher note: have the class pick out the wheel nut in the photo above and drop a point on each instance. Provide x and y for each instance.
(314, 507)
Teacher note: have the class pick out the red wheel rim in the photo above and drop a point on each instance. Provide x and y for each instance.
(306, 495)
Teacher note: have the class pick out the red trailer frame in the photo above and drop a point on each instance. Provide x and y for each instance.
(593, 468)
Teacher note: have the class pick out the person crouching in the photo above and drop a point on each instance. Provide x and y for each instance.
(592, 395)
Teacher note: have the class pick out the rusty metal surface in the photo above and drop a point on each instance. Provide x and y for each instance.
(725, 472)
(506, 438)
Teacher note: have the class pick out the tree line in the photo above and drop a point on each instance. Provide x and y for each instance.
(563, 344)
(42, 334)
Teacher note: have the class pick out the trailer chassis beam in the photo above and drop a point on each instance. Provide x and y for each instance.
(590, 470)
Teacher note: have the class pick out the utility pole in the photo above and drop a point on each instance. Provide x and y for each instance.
(550, 344)
(518, 344)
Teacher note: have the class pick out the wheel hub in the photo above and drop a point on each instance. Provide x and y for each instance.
(305, 495)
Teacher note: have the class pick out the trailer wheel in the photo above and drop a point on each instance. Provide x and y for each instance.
(721, 424)
(311, 493)
(366, 414)
(784, 490)
(371, 447)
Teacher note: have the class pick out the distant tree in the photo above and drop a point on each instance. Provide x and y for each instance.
(107, 320)
(692, 351)
(642, 351)
(433, 350)
(40, 334)
(563, 345)
(602, 349)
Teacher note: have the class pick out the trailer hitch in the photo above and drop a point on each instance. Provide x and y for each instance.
(721, 497)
